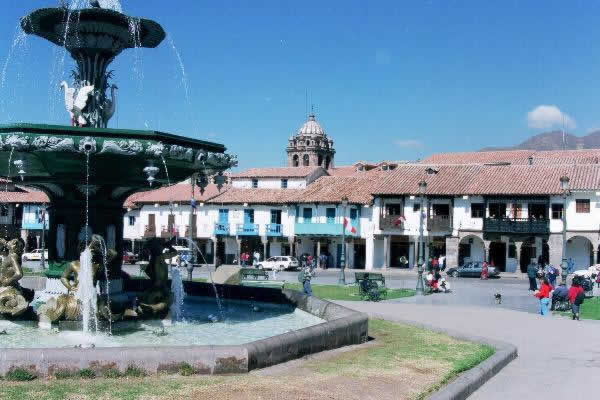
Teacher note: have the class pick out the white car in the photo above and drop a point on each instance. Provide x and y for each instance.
(35, 255)
(281, 263)
(181, 250)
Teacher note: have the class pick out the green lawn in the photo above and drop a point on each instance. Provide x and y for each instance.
(402, 362)
(590, 309)
(350, 292)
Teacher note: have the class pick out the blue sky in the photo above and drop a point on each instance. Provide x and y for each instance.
(389, 79)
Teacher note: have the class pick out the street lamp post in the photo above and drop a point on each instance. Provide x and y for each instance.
(43, 260)
(564, 187)
(420, 289)
(342, 280)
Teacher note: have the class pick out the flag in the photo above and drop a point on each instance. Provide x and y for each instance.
(352, 229)
(398, 221)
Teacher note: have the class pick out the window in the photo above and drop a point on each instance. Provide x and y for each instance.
(497, 210)
(223, 215)
(4, 210)
(307, 214)
(254, 183)
(512, 252)
(416, 207)
(284, 183)
(477, 210)
(276, 216)
(557, 211)
(517, 210)
(353, 214)
(330, 214)
(249, 216)
(393, 209)
(582, 206)
(131, 220)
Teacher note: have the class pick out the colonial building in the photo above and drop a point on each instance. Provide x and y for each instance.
(310, 146)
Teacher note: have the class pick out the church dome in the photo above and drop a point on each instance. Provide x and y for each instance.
(311, 127)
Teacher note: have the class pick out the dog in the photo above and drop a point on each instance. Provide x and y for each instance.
(498, 298)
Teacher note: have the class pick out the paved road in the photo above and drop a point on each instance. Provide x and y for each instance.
(558, 358)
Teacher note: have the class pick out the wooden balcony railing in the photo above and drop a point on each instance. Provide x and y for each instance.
(391, 223)
(516, 225)
(439, 223)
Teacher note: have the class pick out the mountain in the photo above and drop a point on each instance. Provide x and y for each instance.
(554, 141)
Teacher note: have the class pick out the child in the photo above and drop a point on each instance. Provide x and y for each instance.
(576, 295)
(305, 276)
(544, 297)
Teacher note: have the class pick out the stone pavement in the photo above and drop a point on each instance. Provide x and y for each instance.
(558, 358)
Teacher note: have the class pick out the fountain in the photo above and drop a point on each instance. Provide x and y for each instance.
(88, 170)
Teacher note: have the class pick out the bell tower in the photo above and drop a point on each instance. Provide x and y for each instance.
(310, 146)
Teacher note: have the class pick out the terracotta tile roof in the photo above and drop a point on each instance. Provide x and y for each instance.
(281, 172)
(178, 193)
(23, 195)
(345, 170)
(331, 189)
(256, 196)
(517, 157)
(489, 180)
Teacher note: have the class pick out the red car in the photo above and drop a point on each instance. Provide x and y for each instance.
(129, 258)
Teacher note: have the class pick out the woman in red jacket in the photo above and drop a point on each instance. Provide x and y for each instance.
(544, 296)
(572, 295)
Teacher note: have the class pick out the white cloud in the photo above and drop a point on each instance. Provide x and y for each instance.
(409, 143)
(549, 116)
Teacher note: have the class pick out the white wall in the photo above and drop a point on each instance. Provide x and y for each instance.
(462, 214)
(268, 183)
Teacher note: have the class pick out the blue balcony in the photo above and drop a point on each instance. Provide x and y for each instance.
(274, 230)
(32, 225)
(326, 229)
(247, 229)
(221, 228)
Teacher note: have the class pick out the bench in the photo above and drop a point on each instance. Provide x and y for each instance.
(367, 281)
(253, 274)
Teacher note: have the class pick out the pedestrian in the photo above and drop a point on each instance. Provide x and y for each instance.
(576, 296)
(551, 273)
(442, 262)
(435, 264)
(543, 296)
(305, 276)
(570, 265)
(560, 294)
(532, 274)
(256, 257)
(484, 271)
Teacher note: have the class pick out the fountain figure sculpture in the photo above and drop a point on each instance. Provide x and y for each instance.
(14, 300)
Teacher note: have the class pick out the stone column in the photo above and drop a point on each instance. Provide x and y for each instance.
(452, 252)
(518, 246)
(291, 242)
(265, 242)
(486, 250)
(318, 252)
(239, 250)
(555, 243)
(595, 255)
(370, 253)
(350, 253)
(215, 242)
(387, 246)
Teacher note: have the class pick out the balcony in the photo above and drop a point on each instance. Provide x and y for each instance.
(516, 225)
(274, 230)
(149, 231)
(439, 223)
(391, 223)
(221, 228)
(194, 231)
(247, 230)
(168, 232)
(326, 229)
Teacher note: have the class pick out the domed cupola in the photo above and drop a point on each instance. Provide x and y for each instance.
(311, 127)
(310, 146)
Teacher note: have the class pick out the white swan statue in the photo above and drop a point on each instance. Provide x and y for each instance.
(76, 101)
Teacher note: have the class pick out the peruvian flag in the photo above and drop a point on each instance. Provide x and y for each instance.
(352, 229)
(398, 221)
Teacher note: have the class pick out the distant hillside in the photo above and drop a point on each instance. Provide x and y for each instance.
(554, 141)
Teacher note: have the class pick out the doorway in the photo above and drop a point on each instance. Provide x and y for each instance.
(497, 255)
(360, 255)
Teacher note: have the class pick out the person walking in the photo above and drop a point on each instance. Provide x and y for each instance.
(551, 273)
(576, 296)
(256, 258)
(543, 296)
(531, 274)
(484, 271)
(305, 276)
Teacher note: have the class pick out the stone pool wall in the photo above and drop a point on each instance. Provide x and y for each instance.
(342, 327)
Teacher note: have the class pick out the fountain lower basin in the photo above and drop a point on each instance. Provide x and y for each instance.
(290, 325)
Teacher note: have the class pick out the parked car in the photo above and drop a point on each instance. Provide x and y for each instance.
(130, 258)
(281, 263)
(181, 251)
(472, 269)
(35, 255)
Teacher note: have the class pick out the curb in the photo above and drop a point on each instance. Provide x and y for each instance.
(469, 381)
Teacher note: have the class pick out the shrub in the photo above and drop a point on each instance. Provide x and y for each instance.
(63, 374)
(86, 373)
(112, 373)
(20, 374)
(186, 369)
(134, 372)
